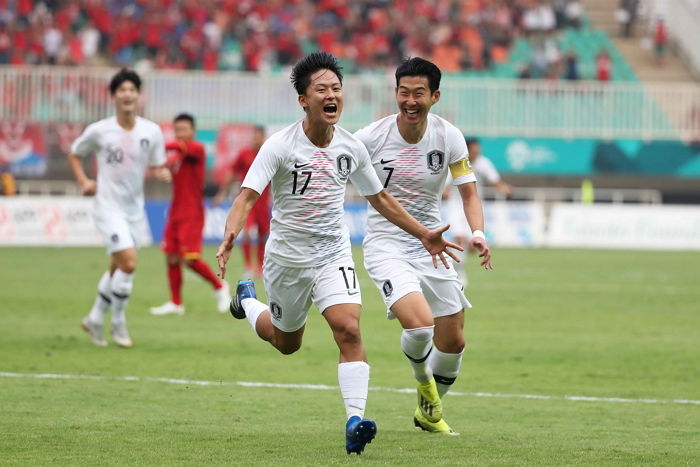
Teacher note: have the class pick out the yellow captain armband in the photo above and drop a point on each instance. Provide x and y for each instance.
(461, 168)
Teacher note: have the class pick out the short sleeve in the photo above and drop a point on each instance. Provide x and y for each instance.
(364, 178)
(264, 167)
(455, 144)
(157, 148)
(87, 142)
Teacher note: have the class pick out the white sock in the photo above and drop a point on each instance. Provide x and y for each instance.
(353, 378)
(103, 300)
(416, 345)
(445, 368)
(253, 309)
(121, 284)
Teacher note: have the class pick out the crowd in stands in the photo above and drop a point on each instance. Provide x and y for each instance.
(254, 35)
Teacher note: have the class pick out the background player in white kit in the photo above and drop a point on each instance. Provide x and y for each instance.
(411, 152)
(308, 256)
(124, 146)
(452, 211)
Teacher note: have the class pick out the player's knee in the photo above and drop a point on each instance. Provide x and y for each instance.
(173, 260)
(348, 332)
(127, 265)
(455, 345)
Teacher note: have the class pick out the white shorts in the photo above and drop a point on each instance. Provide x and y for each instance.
(396, 278)
(292, 290)
(120, 233)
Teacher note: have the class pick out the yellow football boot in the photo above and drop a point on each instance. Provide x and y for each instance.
(429, 401)
(433, 427)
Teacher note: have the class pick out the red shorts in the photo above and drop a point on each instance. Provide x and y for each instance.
(259, 216)
(183, 238)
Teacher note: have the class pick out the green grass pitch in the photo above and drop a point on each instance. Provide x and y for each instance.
(604, 324)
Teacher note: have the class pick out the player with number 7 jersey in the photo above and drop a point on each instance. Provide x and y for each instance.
(413, 150)
(308, 257)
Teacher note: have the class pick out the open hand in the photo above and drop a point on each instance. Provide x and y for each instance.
(224, 252)
(437, 246)
(480, 245)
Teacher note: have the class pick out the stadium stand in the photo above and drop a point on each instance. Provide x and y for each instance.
(475, 37)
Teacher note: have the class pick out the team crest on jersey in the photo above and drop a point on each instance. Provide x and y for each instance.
(387, 288)
(275, 311)
(144, 143)
(436, 161)
(344, 165)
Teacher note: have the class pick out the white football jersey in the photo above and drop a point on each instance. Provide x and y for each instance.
(122, 157)
(415, 175)
(308, 226)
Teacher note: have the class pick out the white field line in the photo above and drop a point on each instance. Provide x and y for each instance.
(324, 387)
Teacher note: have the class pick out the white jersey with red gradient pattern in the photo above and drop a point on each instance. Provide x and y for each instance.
(308, 226)
(122, 157)
(415, 175)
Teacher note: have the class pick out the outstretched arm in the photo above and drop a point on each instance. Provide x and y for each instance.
(432, 240)
(234, 223)
(475, 217)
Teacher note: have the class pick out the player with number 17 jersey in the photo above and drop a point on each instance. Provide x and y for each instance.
(308, 190)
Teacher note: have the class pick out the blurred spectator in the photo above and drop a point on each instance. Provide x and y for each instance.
(574, 14)
(660, 42)
(603, 63)
(90, 41)
(571, 67)
(626, 16)
(243, 34)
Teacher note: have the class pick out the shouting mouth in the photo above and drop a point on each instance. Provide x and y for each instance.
(330, 110)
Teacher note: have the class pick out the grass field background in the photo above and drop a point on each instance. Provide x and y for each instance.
(546, 322)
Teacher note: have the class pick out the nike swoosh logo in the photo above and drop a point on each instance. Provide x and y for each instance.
(382, 161)
(352, 292)
(299, 166)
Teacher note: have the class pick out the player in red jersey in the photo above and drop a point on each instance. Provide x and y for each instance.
(258, 221)
(182, 239)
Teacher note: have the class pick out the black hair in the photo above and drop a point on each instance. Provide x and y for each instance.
(184, 117)
(304, 68)
(471, 140)
(417, 66)
(124, 75)
(259, 128)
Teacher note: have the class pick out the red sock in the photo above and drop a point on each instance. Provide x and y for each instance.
(261, 254)
(247, 254)
(203, 269)
(175, 283)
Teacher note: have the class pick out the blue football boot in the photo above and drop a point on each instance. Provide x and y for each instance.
(358, 433)
(245, 289)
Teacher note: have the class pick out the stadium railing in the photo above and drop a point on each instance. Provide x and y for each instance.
(482, 107)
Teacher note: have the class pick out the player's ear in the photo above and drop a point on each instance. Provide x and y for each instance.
(301, 98)
(436, 96)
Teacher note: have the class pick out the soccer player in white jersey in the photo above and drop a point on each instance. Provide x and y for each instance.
(125, 145)
(452, 211)
(411, 152)
(308, 257)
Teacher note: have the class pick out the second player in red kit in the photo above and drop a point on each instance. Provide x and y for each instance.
(182, 239)
(257, 224)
